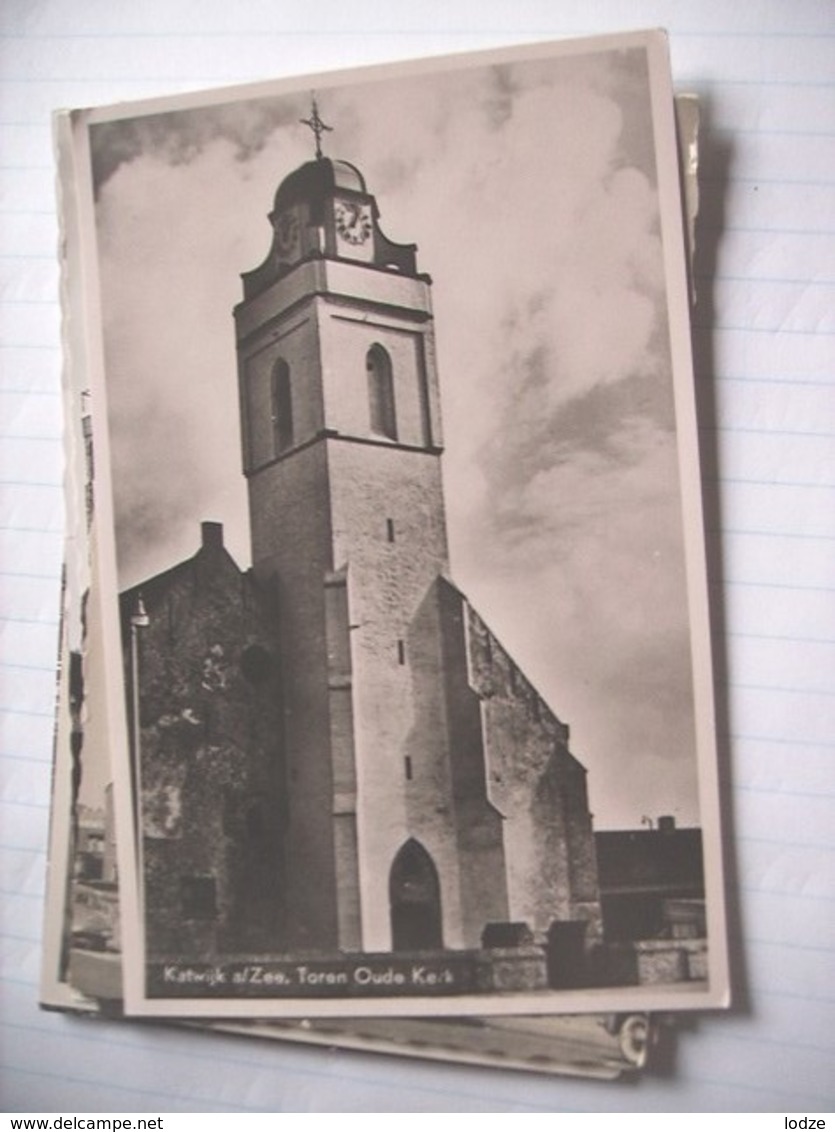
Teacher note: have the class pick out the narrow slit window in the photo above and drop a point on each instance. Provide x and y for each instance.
(407, 763)
(390, 530)
(401, 653)
(282, 408)
(381, 408)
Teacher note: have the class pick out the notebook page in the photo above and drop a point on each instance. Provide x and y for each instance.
(763, 343)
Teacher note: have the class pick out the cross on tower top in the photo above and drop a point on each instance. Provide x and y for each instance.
(316, 125)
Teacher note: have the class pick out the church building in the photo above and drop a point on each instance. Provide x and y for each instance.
(335, 753)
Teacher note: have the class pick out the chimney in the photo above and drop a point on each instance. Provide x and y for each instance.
(212, 535)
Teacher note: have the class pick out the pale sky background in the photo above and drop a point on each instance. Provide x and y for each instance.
(530, 190)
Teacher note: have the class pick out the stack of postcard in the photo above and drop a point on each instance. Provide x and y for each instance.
(386, 711)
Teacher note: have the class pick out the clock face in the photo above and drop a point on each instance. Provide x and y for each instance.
(353, 221)
(287, 233)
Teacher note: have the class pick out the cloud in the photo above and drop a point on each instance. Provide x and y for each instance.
(581, 573)
(179, 137)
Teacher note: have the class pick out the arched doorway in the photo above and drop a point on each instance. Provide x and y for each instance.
(415, 900)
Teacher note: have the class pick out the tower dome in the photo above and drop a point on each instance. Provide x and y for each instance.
(324, 211)
(316, 180)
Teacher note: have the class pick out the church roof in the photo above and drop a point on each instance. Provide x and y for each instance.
(212, 563)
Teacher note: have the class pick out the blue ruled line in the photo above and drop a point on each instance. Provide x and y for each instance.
(783, 689)
(800, 332)
(26, 803)
(38, 713)
(367, 33)
(782, 792)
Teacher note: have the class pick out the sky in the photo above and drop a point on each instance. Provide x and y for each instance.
(530, 189)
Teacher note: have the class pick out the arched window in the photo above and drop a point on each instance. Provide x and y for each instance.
(415, 900)
(381, 392)
(282, 407)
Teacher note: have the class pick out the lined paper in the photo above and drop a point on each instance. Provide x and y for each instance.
(764, 343)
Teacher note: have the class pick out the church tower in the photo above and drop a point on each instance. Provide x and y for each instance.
(430, 791)
(342, 445)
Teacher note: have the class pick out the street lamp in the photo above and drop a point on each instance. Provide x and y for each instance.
(139, 620)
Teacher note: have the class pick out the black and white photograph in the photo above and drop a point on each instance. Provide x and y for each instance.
(82, 968)
(397, 486)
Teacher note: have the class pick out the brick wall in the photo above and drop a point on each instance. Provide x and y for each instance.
(211, 760)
